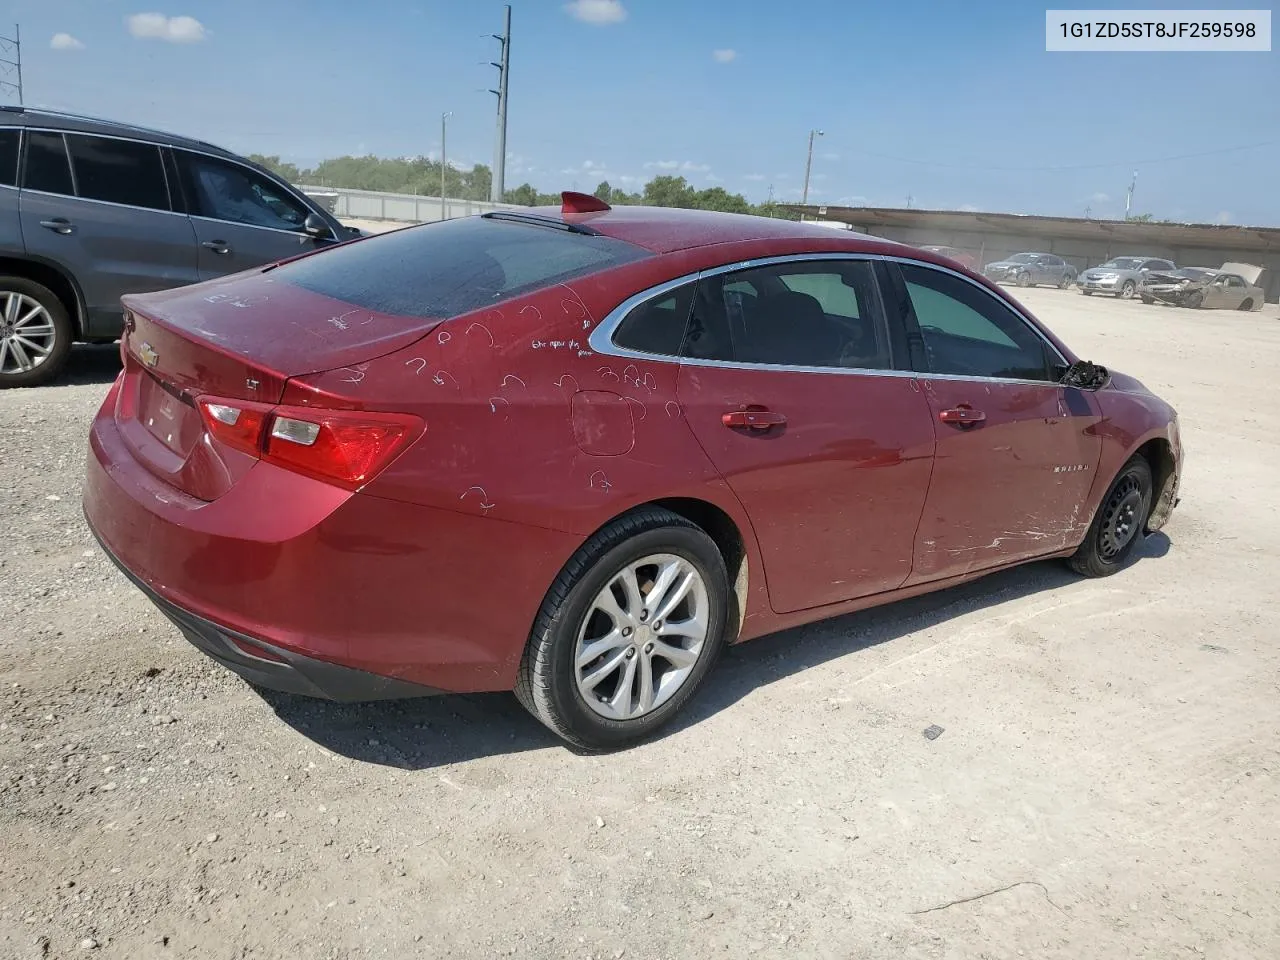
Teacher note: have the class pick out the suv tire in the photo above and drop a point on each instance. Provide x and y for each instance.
(33, 322)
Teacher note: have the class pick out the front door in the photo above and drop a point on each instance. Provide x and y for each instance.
(111, 227)
(1016, 452)
(789, 385)
(242, 219)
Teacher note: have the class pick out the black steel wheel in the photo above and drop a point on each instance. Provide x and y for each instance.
(1119, 523)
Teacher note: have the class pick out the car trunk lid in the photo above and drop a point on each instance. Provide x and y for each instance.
(242, 338)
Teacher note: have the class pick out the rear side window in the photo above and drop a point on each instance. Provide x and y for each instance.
(8, 157)
(119, 171)
(47, 168)
(657, 326)
(455, 266)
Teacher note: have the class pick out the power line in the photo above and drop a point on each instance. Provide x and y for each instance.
(1074, 166)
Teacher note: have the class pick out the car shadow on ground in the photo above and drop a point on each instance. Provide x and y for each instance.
(437, 731)
(90, 363)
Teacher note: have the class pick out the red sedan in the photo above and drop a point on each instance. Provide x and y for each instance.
(574, 452)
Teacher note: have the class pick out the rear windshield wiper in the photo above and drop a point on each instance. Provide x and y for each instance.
(534, 220)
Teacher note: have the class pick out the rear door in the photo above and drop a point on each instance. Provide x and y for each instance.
(1015, 450)
(10, 221)
(100, 207)
(241, 218)
(788, 381)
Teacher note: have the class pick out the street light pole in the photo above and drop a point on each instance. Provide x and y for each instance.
(804, 199)
(444, 129)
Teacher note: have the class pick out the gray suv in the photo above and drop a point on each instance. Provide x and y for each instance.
(91, 210)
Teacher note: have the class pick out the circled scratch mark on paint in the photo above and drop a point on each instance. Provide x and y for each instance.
(483, 497)
(422, 364)
(537, 314)
(644, 411)
(598, 481)
(631, 374)
(484, 328)
(573, 309)
(494, 401)
(607, 372)
(440, 374)
(568, 376)
(512, 376)
(673, 409)
(356, 375)
(443, 337)
(649, 382)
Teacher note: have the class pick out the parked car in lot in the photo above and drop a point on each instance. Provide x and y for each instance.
(1030, 269)
(1194, 287)
(966, 260)
(1122, 276)
(91, 210)
(575, 451)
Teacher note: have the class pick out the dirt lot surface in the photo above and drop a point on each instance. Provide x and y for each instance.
(1106, 784)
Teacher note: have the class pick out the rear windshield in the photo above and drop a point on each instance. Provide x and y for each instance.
(445, 269)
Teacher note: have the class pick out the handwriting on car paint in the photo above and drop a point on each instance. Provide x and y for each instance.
(340, 321)
(556, 344)
(481, 326)
(575, 311)
(607, 372)
(233, 300)
(422, 364)
(482, 496)
(598, 481)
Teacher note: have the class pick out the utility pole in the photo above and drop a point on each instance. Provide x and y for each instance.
(8, 66)
(1128, 197)
(500, 149)
(804, 198)
(444, 163)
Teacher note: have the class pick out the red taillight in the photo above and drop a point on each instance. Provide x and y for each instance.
(346, 448)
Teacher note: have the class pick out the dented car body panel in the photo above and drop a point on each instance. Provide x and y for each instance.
(1234, 287)
(875, 479)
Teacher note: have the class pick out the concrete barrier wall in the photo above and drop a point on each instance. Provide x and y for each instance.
(402, 207)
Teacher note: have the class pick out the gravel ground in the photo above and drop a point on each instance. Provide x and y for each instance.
(1105, 784)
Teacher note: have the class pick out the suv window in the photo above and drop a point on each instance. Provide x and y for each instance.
(967, 332)
(804, 314)
(8, 157)
(454, 266)
(119, 171)
(657, 326)
(227, 191)
(47, 168)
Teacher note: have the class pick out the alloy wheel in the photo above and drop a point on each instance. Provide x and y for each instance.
(642, 637)
(27, 334)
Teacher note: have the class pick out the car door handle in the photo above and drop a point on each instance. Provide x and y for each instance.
(217, 246)
(59, 225)
(962, 416)
(753, 419)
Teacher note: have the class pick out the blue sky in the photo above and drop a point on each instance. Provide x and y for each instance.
(956, 105)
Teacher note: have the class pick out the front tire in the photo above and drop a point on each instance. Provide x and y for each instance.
(1087, 293)
(1024, 279)
(1064, 282)
(1117, 526)
(1127, 289)
(35, 333)
(1148, 300)
(627, 632)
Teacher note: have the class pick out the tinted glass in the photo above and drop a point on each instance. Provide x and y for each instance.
(657, 326)
(444, 269)
(47, 168)
(228, 191)
(1234, 281)
(9, 157)
(968, 333)
(119, 171)
(805, 314)
(1022, 258)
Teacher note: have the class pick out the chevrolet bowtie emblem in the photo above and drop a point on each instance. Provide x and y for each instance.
(148, 354)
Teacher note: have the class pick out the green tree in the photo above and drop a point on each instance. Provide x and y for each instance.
(669, 191)
(525, 195)
(604, 191)
(277, 166)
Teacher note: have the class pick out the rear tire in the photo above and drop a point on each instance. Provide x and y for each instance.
(591, 603)
(1119, 523)
(1247, 305)
(35, 333)
(1024, 279)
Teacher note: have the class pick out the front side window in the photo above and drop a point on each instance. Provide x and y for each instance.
(657, 326)
(227, 191)
(119, 171)
(47, 168)
(1234, 281)
(967, 332)
(9, 157)
(803, 314)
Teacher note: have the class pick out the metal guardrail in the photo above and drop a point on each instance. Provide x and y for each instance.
(349, 204)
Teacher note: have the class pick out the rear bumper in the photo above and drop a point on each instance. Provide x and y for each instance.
(276, 668)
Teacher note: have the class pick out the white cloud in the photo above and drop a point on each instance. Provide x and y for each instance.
(156, 26)
(1224, 217)
(598, 12)
(690, 167)
(662, 165)
(1100, 198)
(754, 177)
(65, 41)
(724, 56)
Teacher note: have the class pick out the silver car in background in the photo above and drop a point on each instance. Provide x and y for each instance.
(1122, 276)
(1030, 269)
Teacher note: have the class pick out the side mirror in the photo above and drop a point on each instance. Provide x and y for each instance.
(314, 226)
(1085, 376)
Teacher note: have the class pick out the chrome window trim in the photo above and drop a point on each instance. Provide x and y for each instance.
(105, 203)
(601, 339)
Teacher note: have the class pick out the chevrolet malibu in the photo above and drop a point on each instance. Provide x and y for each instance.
(576, 451)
